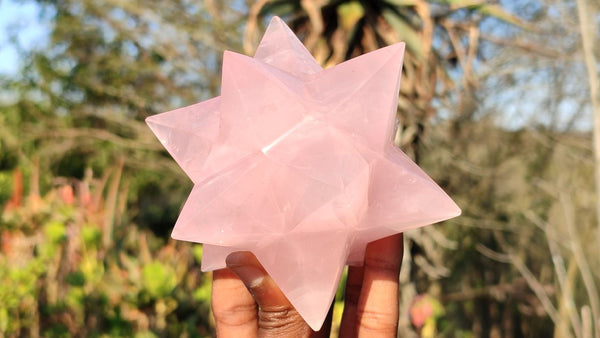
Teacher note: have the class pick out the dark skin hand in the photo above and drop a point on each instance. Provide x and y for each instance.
(246, 302)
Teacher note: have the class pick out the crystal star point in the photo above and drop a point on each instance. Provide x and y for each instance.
(296, 164)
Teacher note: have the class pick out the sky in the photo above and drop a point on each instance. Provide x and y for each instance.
(20, 19)
(23, 19)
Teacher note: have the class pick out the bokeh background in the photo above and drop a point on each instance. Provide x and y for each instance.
(497, 103)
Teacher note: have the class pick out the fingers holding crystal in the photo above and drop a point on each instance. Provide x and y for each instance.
(377, 308)
(234, 309)
(276, 316)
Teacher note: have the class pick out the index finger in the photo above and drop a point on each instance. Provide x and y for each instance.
(276, 316)
(377, 308)
(234, 309)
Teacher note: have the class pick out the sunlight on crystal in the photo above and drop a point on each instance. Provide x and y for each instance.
(296, 164)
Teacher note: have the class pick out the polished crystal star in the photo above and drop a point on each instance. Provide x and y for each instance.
(296, 164)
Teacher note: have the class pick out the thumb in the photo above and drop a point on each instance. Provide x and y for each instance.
(276, 316)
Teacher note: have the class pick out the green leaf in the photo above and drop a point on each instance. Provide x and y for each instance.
(197, 250)
(55, 231)
(76, 298)
(492, 10)
(280, 8)
(497, 12)
(456, 4)
(158, 279)
(6, 185)
(92, 269)
(76, 278)
(403, 3)
(202, 293)
(145, 334)
(91, 235)
(350, 13)
(406, 33)
(4, 319)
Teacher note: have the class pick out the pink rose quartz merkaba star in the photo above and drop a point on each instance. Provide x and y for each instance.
(296, 164)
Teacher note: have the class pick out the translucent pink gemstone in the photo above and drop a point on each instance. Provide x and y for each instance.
(296, 164)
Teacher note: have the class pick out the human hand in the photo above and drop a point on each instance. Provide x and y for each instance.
(246, 302)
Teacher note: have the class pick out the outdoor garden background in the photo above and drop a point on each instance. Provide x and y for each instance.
(499, 103)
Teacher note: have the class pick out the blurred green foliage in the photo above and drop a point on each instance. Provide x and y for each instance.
(89, 195)
(62, 280)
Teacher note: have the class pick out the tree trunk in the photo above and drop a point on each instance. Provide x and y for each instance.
(588, 30)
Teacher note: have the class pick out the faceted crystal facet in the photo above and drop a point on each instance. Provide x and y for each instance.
(296, 164)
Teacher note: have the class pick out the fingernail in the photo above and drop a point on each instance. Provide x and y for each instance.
(241, 264)
(251, 276)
